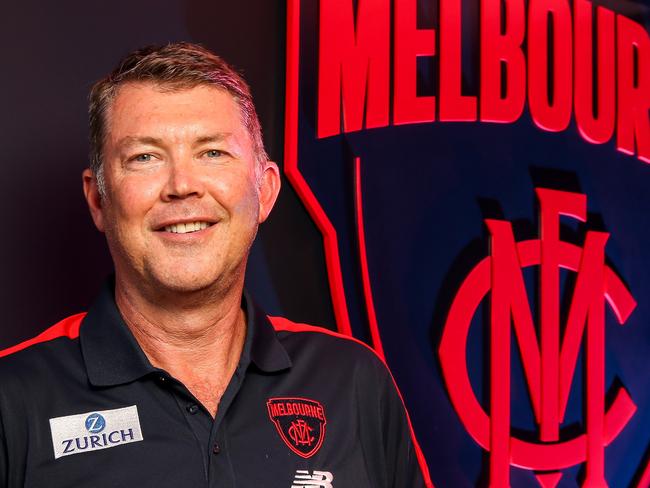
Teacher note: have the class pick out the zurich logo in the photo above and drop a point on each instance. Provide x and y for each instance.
(95, 423)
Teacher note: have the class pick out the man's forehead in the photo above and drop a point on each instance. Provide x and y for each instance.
(150, 93)
(210, 110)
(170, 87)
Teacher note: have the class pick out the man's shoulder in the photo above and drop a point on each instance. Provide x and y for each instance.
(324, 343)
(40, 352)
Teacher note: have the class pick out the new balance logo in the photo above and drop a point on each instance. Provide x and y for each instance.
(320, 479)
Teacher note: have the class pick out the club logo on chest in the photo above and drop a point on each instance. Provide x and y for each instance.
(300, 423)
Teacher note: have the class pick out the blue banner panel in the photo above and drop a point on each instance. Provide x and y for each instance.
(478, 171)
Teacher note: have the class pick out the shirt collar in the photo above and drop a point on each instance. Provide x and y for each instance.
(266, 351)
(113, 356)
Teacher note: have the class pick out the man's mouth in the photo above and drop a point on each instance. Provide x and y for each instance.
(186, 227)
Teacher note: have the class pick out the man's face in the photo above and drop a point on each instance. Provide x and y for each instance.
(183, 197)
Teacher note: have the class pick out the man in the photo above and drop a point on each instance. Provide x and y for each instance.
(174, 377)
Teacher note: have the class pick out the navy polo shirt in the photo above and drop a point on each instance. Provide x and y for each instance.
(305, 407)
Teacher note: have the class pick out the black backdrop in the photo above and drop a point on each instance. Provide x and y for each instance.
(53, 259)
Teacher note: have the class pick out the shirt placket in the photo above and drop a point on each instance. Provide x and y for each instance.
(221, 472)
(211, 434)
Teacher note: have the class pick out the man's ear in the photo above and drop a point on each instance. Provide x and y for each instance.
(269, 188)
(93, 198)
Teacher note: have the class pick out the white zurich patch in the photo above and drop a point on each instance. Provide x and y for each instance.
(96, 430)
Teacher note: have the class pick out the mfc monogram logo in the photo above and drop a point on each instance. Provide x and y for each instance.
(300, 433)
(549, 352)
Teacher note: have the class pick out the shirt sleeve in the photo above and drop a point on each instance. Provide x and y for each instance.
(402, 465)
(13, 436)
(4, 476)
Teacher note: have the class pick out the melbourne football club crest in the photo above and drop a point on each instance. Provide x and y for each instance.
(300, 423)
(549, 357)
(418, 135)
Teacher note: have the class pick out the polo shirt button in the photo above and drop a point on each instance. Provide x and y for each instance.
(216, 449)
(193, 408)
(162, 379)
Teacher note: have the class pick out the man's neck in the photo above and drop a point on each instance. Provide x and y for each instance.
(199, 342)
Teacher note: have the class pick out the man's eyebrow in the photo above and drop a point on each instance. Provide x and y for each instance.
(155, 141)
(218, 137)
(134, 140)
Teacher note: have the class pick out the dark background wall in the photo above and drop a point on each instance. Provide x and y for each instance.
(53, 259)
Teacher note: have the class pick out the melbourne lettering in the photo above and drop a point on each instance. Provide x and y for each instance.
(562, 59)
(282, 409)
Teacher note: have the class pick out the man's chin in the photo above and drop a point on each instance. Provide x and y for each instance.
(193, 277)
(185, 283)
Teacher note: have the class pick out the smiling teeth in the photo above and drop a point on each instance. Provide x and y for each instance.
(187, 227)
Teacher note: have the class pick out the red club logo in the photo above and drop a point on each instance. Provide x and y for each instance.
(549, 361)
(300, 423)
(300, 433)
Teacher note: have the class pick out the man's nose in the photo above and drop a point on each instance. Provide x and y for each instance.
(184, 180)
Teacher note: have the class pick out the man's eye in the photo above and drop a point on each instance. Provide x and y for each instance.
(213, 153)
(143, 158)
